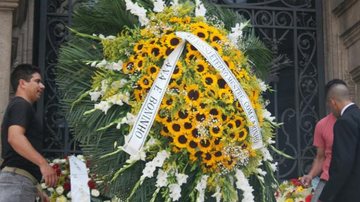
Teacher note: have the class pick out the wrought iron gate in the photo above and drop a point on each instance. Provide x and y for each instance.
(290, 28)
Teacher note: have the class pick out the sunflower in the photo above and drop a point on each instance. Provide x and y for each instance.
(172, 40)
(145, 82)
(228, 61)
(241, 134)
(167, 103)
(180, 140)
(192, 56)
(178, 71)
(201, 33)
(216, 130)
(128, 67)
(164, 131)
(175, 127)
(201, 66)
(156, 51)
(192, 146)
(226, 96)
(205, 145)
(218, 155)
(139, 95)
(192, 93)
(139, 63)
(183, 114)
(200, 25)
(217, 47)
(221, 83)
(215, 36)
(208, 159)
(239, 122)
(153, 71)
(139, 46)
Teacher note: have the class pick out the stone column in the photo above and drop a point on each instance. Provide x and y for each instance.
(6, 17)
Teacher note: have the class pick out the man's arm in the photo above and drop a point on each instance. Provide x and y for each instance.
(316, 167)
(18, 141)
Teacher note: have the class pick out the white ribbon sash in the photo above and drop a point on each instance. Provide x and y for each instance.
(152, 102)
(79, 180)
(218, 63)
(137, 137)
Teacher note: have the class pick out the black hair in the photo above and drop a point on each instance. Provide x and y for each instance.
(333, 83)
(22, 71)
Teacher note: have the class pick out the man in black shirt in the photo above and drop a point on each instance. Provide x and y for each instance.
(21, 139)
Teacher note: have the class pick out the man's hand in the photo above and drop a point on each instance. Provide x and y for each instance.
(48, 174)
(306, 180)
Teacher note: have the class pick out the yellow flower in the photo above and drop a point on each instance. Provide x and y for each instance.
(177, 71)
(172, 40)
(145, 82)
(153, 71)
(289, 200)
(201, 66)
(205, 145)
(180, 140)
(192, 93)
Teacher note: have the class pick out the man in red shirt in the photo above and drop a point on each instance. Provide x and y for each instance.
(323, 140)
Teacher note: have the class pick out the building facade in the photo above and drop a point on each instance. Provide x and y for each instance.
(319, 40)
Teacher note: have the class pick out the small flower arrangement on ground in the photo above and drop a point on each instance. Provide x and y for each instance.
(293, 191)
(62, 191)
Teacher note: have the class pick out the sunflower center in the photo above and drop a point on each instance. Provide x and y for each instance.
(193, 94)
(182, 139)
(221, 83)
(174, 41)
(176, 127)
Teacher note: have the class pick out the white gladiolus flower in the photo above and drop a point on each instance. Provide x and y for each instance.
(141, 155)
(181, 178)
(102, 63)
(175, 191)
(267, 115)
(161, 179)
(243, 184)
(262, 84)
(56, 161)
(150, 167)
(148, 170)
(115, 66)
(236, 32)
(95, 193)
(267, 156)
(261, 172)
(50, 189)
(200, 9)
(103, 106)
(94, 96)
(135, 9)
(158, 6)
(68, 195)
(59, 190)
(273, 166)
(201, 186)
(217, 195)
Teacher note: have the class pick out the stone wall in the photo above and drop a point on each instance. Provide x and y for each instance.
(341, 42)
